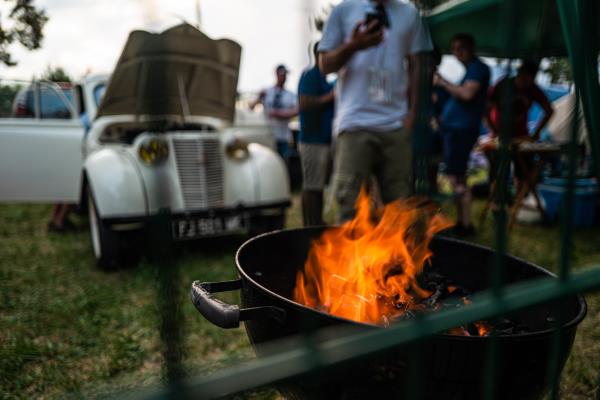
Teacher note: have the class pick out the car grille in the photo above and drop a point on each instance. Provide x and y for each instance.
(200, 170)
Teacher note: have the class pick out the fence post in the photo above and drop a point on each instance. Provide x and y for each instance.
(169, 298)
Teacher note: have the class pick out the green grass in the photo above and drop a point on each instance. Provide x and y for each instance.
(70, 330)
(541, 245)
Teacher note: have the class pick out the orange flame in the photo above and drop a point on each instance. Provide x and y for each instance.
(367, 270)
(483, 328)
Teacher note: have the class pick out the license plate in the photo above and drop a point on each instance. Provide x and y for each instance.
(202, 227)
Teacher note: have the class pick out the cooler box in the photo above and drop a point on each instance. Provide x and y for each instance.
(553, 191)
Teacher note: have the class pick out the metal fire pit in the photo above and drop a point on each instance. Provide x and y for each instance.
(453, 365)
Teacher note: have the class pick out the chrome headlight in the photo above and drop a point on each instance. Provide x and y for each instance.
(153, 151)
(237, 149)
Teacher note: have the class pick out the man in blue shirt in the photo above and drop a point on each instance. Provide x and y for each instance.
(279, 108)
(460, 123)
(315, 97)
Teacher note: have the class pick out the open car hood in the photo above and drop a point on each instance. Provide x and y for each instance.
(180, 72)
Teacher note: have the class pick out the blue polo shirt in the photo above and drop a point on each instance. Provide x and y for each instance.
(316, 123)
(459, 115)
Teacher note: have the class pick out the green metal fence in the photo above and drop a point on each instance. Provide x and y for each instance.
(302, 355)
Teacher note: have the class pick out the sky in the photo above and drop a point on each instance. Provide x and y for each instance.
(87, 36)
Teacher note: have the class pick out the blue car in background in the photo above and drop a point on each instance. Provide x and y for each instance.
(55, 101)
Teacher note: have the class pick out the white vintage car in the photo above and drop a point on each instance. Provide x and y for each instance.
(161, 141)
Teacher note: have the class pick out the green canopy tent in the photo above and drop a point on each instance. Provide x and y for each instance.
(537, 28)
(533, 29)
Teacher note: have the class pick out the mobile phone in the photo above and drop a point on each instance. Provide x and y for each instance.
(374, 17)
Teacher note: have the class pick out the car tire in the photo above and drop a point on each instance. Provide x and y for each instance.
(266, 223)
(105, 242)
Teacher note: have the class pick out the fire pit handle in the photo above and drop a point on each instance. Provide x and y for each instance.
(225, 315)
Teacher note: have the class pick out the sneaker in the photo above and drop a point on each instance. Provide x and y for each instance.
(55, 228)
(67, 226)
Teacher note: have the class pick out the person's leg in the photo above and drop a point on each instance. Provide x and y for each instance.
(312, 208)
(374, 191)
(524, 166)
(525, 180)
(458, 147)
(463, 199)
(63, 213)
(283, 149)
(56, 210)
(352, 168)
(493, 169)
(59, 219)
(394, 164)
(314, 159)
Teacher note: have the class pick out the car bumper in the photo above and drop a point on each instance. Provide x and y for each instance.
(197, 223)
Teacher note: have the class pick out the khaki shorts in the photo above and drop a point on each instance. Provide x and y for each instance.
(316, 165)
(360, 154)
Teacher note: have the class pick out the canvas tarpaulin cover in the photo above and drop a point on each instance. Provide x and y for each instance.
(178, 72)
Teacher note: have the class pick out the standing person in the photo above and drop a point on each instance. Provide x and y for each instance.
(59, 221)
(315, 97)
(460, 124)
(280, 107)
(524, 92)
(368, 44)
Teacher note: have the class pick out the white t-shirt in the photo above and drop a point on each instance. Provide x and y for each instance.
(279, 99)
(371, 90)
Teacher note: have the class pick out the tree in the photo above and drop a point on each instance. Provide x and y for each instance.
(25, 26)
(57, 74)
(7, 94)
(559, 70)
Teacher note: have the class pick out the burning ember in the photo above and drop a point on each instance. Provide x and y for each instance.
(372, 269)
(367, 270)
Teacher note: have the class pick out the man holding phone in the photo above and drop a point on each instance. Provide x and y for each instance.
(368, 43)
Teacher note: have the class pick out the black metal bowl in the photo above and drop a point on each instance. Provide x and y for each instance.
(453, 365)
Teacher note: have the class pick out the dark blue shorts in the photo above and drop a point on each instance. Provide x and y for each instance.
(457, 148)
